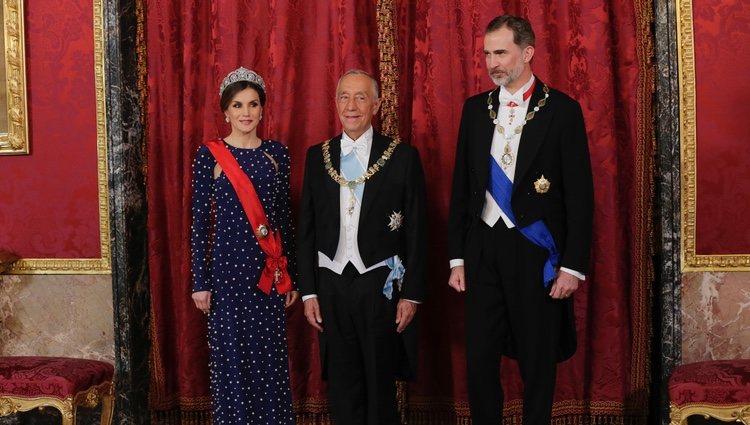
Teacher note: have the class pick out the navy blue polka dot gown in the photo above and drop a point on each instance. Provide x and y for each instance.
(246, 328)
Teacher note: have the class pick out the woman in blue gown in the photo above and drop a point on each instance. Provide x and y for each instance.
(246, 327)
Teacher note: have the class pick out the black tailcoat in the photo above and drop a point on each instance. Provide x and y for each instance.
(553, 144)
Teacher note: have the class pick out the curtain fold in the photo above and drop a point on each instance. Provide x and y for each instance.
(596, 51)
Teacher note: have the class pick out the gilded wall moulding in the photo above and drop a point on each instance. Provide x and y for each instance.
(691, 260)
(101, 265)
(13, 122)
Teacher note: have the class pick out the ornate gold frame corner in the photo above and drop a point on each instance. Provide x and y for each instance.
(691, 261)
(739, 413)
(103, 264)
(15, 141)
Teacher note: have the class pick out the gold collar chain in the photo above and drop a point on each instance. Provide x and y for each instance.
(529, 115)
(506, 159)
(374, 168)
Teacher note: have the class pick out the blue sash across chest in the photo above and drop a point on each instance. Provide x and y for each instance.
(501, 189)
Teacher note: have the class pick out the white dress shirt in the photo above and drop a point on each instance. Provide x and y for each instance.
(491, 212)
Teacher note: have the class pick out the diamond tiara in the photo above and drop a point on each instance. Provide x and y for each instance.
(242, 74)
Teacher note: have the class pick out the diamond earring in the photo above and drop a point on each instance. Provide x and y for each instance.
(226, 119)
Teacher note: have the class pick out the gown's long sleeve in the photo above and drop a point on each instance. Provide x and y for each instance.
(202, 184)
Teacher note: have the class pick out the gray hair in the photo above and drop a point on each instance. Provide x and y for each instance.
(375, 86)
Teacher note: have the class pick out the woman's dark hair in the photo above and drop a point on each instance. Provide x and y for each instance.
(237, 87)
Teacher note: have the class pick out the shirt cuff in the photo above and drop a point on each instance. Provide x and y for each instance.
(412, 301)
(307, 297)
(573, 272)
(456, 262)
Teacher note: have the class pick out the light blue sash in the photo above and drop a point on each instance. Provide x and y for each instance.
(396, 275)
(501, 189)
(351, 168)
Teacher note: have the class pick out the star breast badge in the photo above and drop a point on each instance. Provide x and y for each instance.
(396, 221)
(541, 185)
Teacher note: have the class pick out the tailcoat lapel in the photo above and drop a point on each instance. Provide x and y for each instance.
(374, 183)
(532, 135)
(483, 142)
(331, 186)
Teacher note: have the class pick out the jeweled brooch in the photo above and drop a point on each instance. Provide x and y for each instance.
(541, 185)
(396, 221)
(262, 231)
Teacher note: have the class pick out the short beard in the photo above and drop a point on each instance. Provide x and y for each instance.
(501, 81)
(509, 77)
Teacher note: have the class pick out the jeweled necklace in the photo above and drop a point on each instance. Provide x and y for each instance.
(506, 160)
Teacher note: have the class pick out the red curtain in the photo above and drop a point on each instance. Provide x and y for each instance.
(595, 50)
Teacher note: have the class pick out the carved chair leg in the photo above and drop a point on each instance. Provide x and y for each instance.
(68, 415)
(676, 416)
(107, 409)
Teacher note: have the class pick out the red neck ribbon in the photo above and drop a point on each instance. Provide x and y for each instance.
(526, 95)
(275, 270)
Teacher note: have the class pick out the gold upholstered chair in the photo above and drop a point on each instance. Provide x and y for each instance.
(63, 383)
(718, 389)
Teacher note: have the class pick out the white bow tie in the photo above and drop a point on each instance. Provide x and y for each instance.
(347, 145)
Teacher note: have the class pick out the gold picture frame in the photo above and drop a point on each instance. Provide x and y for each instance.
(691, 260)
(13, 122)
(103, 264)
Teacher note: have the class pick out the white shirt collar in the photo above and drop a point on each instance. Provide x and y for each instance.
(365, 137)
(517, 97)
(363, 143)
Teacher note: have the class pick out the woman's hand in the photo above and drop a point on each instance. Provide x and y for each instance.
(202, 300)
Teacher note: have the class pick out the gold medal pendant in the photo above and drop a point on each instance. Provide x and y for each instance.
(352, 202)
(506, 159)
(277, 274)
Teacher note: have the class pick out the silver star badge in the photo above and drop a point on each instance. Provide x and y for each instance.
(397, 220)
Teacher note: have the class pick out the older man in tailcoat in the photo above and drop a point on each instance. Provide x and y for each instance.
(361, 257)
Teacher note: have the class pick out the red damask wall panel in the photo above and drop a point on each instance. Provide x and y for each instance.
(722, 64)
(49, 199)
